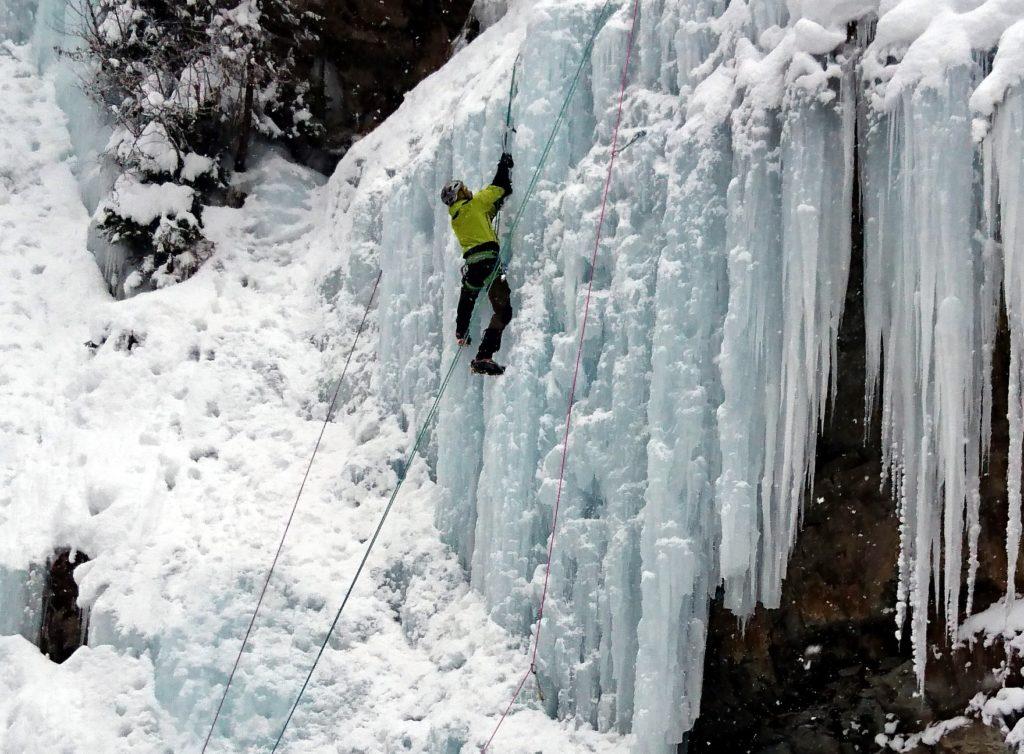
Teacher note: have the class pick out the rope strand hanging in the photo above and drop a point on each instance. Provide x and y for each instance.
(532, 670)
(291, 515)
(535, 178)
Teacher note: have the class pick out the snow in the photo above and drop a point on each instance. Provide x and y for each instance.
(142, 203)
(932, 37)
(1003, 620)
(152, 150)
(706, 374)
(119, 713)
(1007, 71)
(196, 165)
(930, 736)
(1005, 702)
(813, 38)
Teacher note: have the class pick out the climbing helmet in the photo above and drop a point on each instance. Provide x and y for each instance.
(450, 192)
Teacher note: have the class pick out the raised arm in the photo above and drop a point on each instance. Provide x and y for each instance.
(502, 178)
(493, 196)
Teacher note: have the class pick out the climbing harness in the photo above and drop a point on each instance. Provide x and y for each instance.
(572, 390)
(535, 178)
(291, 515)
(497, 272)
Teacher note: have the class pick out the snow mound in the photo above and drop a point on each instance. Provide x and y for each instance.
(112, 696)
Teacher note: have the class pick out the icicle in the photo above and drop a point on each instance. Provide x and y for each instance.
(930, 307)
(1007, 155)
(789, 263)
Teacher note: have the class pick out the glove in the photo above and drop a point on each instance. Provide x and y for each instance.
(506, 161)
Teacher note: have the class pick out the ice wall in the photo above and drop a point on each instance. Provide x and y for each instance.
(21, 601)
(49, 26)
(707, 366)
(16, 20)
(710, 362)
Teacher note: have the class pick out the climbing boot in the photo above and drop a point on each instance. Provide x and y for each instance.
(487, 366)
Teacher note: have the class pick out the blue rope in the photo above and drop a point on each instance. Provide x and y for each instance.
(372, 542)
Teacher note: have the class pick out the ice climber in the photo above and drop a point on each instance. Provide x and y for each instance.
(472, 217)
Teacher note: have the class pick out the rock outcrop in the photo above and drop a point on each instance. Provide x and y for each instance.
(374, 51)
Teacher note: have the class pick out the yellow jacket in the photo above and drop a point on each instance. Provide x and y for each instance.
(472, 220)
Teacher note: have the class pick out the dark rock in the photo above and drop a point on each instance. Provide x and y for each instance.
(371, 53)
(63, 623)
(974, 739)
(814, 740)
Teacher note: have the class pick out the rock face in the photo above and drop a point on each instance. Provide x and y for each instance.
(825, 672)
(63, 623)
(374, 51)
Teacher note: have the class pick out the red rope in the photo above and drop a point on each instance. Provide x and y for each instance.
(575, 376)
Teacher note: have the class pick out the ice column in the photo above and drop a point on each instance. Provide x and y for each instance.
(679, 525)
(789, 248)
(54, 29)
(523, 413)
(1006, 145)
(928, 304)
(596, 606)
(21, 597)
(460, 430)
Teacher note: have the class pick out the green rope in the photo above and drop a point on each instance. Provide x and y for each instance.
(587, 50)
(369, 547)
(535, 179)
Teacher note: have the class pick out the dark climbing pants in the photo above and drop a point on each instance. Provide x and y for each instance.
(474, 280)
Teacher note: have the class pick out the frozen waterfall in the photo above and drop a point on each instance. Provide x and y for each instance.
(708, 370)
(719, 293)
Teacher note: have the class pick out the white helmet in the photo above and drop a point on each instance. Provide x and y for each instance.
(450, 192)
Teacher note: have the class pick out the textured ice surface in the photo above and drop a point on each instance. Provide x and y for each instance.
(170, 454)
(718, 297)
(706, 372)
